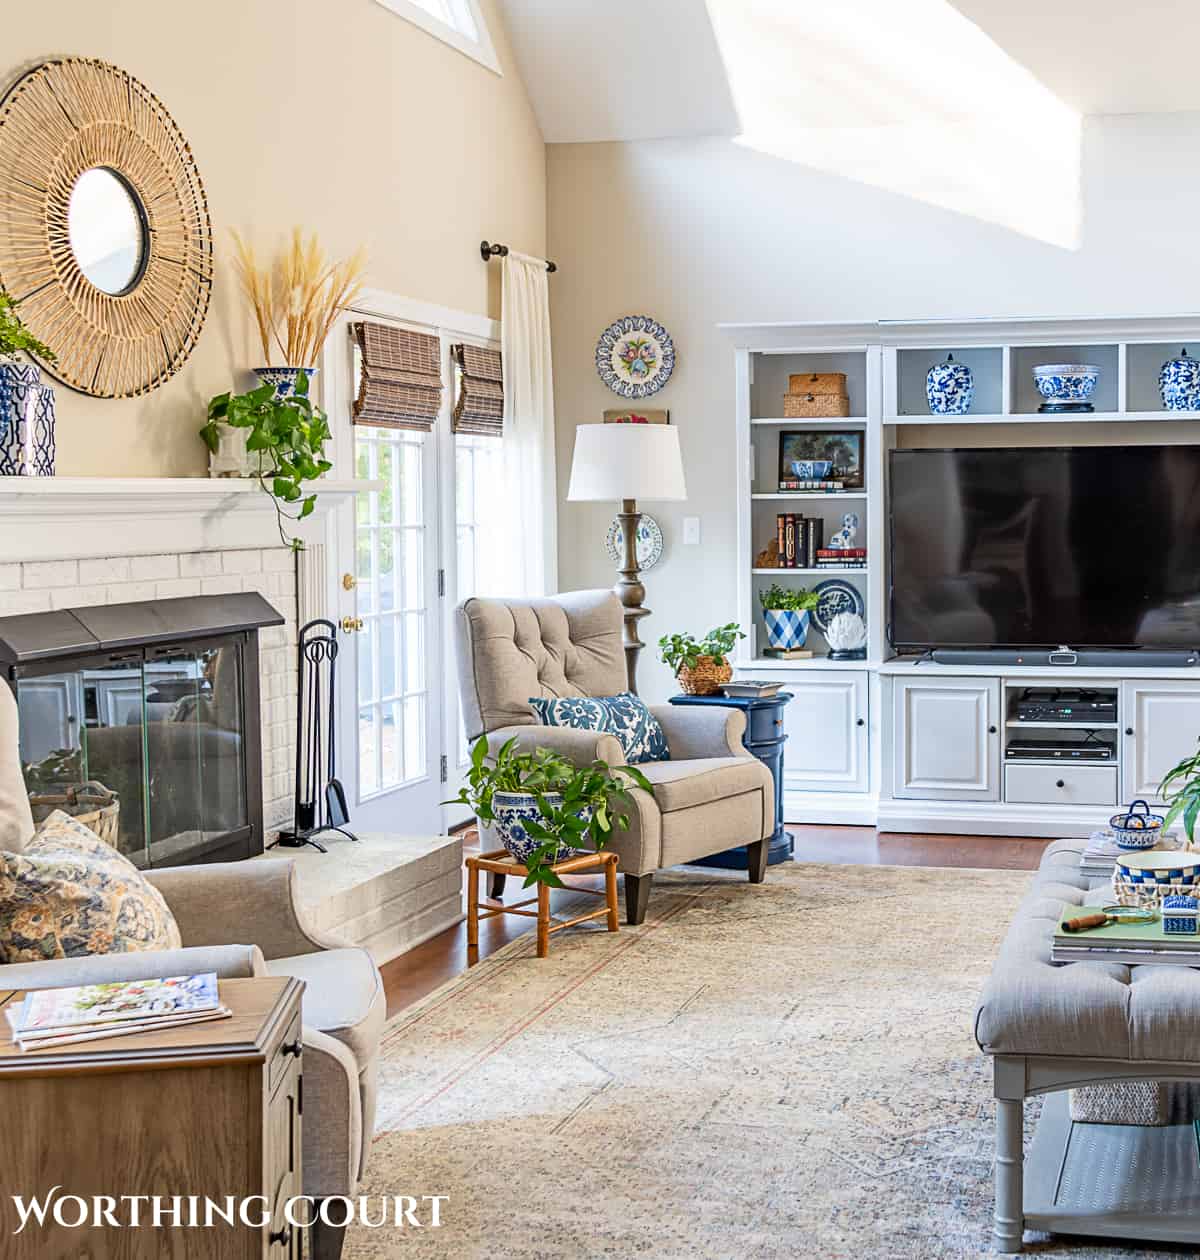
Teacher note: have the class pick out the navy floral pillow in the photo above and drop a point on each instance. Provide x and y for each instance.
(637, 729)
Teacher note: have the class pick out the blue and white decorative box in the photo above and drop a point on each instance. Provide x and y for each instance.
(26, 422)
(1179, 383)
(949, 388)
(1180, 916)
(786, 627)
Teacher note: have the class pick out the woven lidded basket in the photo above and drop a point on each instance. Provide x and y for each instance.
(1121, 1102)
(706, 677)
(90, 803)
(817, 383)
(799, 406)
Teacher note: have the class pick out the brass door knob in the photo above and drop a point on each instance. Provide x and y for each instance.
(349, 581)
(352, 624)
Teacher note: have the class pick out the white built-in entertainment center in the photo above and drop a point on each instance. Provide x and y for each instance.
(901, 741)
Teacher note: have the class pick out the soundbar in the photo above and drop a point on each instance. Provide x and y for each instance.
(1099, 658)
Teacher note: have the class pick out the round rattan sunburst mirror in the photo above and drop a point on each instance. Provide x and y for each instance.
(105, 240)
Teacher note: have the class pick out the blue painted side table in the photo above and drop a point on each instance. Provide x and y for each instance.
(764, 738)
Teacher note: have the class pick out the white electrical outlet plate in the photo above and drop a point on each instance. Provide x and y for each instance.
(691, 531)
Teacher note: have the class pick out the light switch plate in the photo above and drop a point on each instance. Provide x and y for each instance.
(691, 531)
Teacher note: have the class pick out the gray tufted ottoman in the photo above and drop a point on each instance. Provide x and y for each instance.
(1050, 1027)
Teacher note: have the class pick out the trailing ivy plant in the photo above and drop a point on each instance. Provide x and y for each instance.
(778, 598)
(1181, 790)
(15, 337)
(683, 651)
(594, 799)
(289, 434)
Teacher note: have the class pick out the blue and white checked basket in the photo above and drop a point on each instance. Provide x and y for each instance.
(786, 627)
(1159, 868)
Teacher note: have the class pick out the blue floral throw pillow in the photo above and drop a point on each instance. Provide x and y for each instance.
(624, 716)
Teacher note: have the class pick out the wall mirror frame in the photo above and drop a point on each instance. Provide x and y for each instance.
(105, 239)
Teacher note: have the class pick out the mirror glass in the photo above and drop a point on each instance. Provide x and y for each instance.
(107, 230)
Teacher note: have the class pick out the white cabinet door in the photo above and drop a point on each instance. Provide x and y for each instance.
(1161, 724)
(826, 726)
(947, 739)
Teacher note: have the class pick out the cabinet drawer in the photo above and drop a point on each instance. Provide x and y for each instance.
(765, 724)
(1061, 785)
(284, 1054)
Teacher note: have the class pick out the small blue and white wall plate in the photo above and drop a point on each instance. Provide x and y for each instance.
(635, 356)
(649, 542)
(949, 388)
(836, 596)
(1179, 383)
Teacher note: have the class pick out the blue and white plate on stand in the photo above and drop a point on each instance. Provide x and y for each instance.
(649, 542)
(635, 356)
(836, 596)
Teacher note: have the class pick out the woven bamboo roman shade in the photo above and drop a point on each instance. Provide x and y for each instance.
(480, 404)
(401, 382)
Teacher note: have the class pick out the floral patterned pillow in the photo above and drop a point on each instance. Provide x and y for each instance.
(70, 894)
(637, 729)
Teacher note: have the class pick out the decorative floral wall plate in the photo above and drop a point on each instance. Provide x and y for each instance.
(649, 542)
(635, 356)
(836, 596)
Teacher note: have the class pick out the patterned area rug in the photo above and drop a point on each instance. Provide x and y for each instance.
(785, 1070)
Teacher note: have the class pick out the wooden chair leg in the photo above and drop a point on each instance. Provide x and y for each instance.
(543, 921)
(496, 885)
(472, 907)
(325, 1241)
(637, 896)
(756, 861)
(610, 893)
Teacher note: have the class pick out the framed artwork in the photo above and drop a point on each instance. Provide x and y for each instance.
(822, 455)
(641, 416)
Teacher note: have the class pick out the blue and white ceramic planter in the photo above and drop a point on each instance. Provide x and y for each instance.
(513, 810)
(284, 379)
(1066, 382)
(26, 422)
(950, 388)
(1179, 383)
(786, 627)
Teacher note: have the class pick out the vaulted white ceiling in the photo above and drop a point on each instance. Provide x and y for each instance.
(626, 70)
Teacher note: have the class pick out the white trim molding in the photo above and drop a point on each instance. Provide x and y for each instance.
(466, 16)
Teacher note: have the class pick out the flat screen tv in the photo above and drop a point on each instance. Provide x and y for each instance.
(1088, 546)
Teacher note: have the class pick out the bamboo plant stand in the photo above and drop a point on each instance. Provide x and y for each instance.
(499, 862)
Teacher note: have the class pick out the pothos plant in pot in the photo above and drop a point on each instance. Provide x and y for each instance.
(1180, 788)
(542, 807)
(701, 666)
(786, 613)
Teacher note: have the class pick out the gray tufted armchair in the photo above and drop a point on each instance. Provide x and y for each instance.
(710, 796)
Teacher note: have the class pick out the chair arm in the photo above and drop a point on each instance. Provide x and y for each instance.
(230, 962)
(695, 731)
(251, 901)
(333, 1135)
(579, 747)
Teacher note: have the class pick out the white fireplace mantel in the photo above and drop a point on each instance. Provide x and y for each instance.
(57, 518)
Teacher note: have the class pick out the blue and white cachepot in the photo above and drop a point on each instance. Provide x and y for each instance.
(512, 810)
(26, 422)
(1066, 382)
(1179, 383)
(950, 388)
(786, 627)
(284, 379)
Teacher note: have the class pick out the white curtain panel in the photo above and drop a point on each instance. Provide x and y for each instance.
(530, 477)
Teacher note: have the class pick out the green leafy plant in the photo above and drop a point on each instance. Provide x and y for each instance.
(1180, 788)
(15, 337)
(288, 433)
(778, 598)
(683, 651)
(594, 799)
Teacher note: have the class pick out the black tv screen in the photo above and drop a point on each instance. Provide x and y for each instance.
(1086, 546)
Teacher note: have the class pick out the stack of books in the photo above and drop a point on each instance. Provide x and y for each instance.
(846, 558)
(790, 485)
(1128, 943)
(1099, 859)
(788, 654)
(91, 1012)
(798, 540)
(752, 688)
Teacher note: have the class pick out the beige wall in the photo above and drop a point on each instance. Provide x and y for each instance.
(333, 114)
(696, 232)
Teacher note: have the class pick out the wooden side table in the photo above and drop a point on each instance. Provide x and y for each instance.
(764, 738)
(210, 1110)
(500, 862)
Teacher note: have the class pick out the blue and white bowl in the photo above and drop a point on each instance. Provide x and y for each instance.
(812, 469)
(1179, 383)
(513, 810)
(786, 627)
(1066, 382)
(1159, 867)
(1137, 830)
(950, 388)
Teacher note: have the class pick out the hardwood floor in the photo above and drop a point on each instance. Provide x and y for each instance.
(411, 976)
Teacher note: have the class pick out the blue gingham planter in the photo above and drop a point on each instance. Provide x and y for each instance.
(1180, 915)
(786, 627)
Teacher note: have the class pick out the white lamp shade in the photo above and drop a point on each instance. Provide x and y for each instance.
(627, 461)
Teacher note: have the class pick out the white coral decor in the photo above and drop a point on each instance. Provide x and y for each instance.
(847, 632)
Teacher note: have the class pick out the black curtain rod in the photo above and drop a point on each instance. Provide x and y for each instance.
(487, 252)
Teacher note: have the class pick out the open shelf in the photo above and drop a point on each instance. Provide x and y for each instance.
(1056, 726)
(835, 570)
(812, 662)
(1035, 417)
(815, 422)
(792, 495)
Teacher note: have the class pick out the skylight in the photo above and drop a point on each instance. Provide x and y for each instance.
(458, 23)
(910, 97)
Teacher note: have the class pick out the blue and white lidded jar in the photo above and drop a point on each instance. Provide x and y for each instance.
(1180, 915)
(786, 627)
(950, 388)
(1179, 383)
(26, 422)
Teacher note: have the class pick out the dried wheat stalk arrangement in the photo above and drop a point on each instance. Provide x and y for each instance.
(296, 298)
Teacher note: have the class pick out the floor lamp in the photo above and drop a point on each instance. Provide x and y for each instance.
(627, 462)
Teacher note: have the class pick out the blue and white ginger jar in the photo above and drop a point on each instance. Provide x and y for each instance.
(26, 422)
(786, 627)
(284, 379)
(950, 388)
(1179, 383)
(513, 810)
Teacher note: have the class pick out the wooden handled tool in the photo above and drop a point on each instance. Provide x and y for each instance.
(1086, 922)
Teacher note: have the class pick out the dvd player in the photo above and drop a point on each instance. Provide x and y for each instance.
(1066, 705)
(1058, 750)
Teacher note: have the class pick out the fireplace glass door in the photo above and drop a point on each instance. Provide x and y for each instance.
(147, 747)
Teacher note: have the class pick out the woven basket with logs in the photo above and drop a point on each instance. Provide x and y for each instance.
(90, 803)
(706, 677)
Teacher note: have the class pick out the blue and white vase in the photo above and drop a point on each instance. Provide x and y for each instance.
(950, 388)
(1179, 383)
(284, 379)
(513, 810)
(786, 627)
(26, 422)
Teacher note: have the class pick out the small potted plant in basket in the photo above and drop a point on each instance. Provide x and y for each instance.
(701, 667)
(786, 613)
(544, 808)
